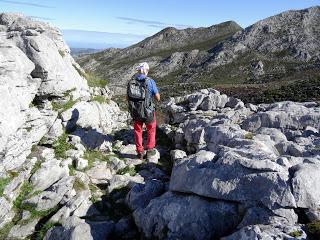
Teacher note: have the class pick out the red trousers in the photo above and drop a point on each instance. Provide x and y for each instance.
(151, 134)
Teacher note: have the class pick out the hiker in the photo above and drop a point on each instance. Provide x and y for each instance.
(141, 91)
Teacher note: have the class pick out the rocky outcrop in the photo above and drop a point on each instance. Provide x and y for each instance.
(276, 34)
(261, 159)
(172, 216)
(49, 118)
(38, 78)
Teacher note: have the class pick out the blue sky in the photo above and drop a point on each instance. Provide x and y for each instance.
(137, 19)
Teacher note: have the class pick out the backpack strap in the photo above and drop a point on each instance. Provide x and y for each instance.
(146, 81)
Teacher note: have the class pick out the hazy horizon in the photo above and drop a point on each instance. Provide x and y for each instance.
(99, 40)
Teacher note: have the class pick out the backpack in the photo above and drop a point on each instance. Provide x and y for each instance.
(141, 106)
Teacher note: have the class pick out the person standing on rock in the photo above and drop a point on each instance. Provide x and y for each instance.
(141, 91)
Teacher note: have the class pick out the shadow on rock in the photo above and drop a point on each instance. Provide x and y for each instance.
(91, 138)
(72, 123)
(112, 208)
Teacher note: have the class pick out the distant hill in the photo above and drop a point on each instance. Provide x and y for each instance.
(274, 59)
(81, 51)
(116, 65)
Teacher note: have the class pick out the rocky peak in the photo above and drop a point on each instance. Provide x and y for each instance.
(293, 34)
(172, 38)
(286, 47)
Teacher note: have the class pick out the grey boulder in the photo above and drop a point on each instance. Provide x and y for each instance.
(174, 216)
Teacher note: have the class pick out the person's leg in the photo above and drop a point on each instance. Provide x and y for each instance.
(138, 136)
(151, 133)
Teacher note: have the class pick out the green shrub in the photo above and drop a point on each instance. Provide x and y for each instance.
(72, 170)
(100, 99)
(93, 155)
(61, 146)
(296, 234)
(3, 183)
(61, 107)
(248, 135)
(128, 169)
(78, 185)
(25, 191)
(313, 230)
(81, 73)
(62, 53)
(67, 93)
(40, 234)
(36, 167)
(5, 230)
(94, 81)
(13, 174)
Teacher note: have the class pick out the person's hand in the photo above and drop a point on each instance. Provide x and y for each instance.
(157, 97)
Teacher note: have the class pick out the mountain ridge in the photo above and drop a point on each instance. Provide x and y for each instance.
(106, 60)
(281, 49)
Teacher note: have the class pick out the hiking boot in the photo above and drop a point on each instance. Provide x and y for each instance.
(140, 156)
(151, 153)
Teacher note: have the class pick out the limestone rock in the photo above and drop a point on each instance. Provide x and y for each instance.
(99, 173)
(6, 212)
(267, 232)
(305, 185)
(177, 154)
(81, 163)
(49, 173)
(75, 228)
(23, 231)
(230, 176)
(174, 216)
(103, 117)
(288, 115)
(52, 196)
(119, 181)
(140, 194)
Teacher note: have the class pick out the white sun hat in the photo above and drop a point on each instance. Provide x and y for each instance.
(143, 67)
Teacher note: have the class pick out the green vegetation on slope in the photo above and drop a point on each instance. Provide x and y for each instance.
(283, 80)
(61, 146)
(3, 184)
(203, 39)
(313, 230)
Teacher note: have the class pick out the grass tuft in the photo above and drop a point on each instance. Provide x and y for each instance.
(94, 81)
(61, 146)
(313, 230)
(62, 53)
(296, 234)
(93, 155)
(78, 185)
(61, 107)
(248, 135)
(36, 167)
(5, 230)
(100, 99)
(25, 191)
(45, 228)
(72, 170)
(3, 183)
(127, 169)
